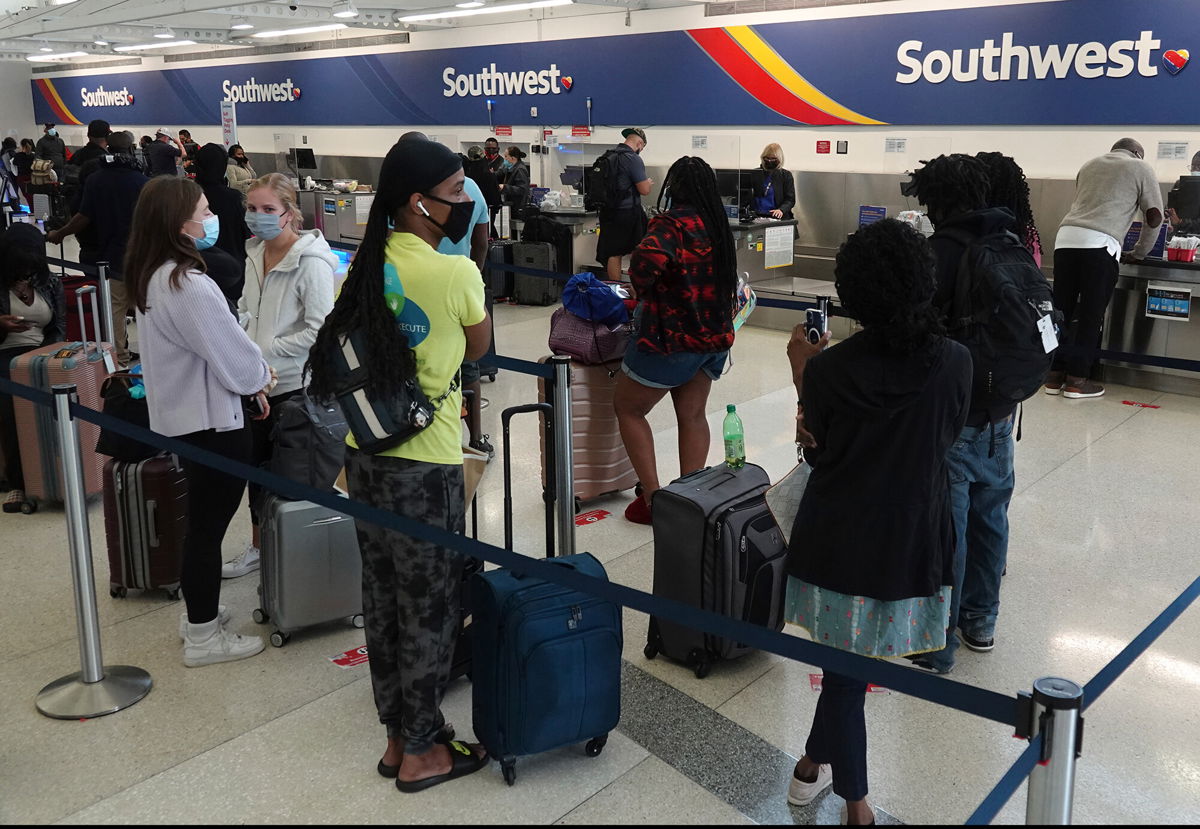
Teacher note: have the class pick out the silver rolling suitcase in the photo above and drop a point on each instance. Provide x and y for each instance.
(311, 570)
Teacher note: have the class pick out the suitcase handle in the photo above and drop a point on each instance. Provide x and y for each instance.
(333, 519)
(152, 522)
(79, 294)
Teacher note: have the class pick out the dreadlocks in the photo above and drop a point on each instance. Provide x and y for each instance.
(951, 184)
(692, 182)
(1008, 188)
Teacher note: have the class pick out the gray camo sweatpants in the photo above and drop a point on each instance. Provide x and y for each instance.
(411, 591)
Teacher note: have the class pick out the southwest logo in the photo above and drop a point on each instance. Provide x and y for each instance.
(296, 92)
(253, 92)
(489, 81)
(568, 82)
(101, 97)
(1175, 60)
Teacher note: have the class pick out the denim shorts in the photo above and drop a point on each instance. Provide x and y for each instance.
(669, 371)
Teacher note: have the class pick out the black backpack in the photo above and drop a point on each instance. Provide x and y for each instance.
(1000, 294)
(309, 441)
(600, 182)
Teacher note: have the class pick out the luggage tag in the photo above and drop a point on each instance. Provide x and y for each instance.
(1049, 337)
(110, 365)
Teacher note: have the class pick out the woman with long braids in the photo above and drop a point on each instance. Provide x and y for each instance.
(685, 275)
(1007, 187)
(421, 313)
(879, 413)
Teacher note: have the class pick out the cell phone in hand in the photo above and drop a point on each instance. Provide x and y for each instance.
(254, 406)
(816, 324)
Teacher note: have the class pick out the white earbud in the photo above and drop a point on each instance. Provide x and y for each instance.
(421, 207)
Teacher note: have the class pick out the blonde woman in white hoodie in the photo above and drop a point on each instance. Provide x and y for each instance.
(288, 293)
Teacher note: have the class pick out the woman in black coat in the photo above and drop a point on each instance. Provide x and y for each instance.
(773, 186)
(515, 189)
(32, 315)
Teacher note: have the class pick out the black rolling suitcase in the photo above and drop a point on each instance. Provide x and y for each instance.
(536, 290)
(716, 547)
(500, 282)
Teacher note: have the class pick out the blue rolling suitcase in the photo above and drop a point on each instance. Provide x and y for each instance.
(546, 668)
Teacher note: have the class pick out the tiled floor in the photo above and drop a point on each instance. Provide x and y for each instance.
(1102, 540)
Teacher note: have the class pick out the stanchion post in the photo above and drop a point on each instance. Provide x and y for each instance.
(106, 312)
(1057, 705)
(564, 457)
(95, 690)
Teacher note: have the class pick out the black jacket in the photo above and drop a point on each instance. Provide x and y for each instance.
(230, 207)
(53, 149)
(480, 172)
(51, 290)
(784, 186)
(875, 520)
(949, 253)
(228, 272)
(516, 186)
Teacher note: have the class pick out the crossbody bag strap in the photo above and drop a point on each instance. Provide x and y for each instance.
(437, 404)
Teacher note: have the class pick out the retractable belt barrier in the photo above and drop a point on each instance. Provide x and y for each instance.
(1049, 719)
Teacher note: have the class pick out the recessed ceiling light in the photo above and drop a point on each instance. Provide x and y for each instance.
(159, 45)
(45, 47)
(240, 23)
(470, 4)
(307, 30)
(511, 7)
(59, 56)
(344, 9)
(164, 33)
(99, 39)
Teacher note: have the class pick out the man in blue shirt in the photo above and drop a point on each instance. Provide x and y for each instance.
(623, 222)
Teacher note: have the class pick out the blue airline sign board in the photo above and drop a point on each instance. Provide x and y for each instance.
(1072, 62)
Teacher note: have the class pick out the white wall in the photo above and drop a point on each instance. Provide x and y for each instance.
(1044, 152)
(16, 101)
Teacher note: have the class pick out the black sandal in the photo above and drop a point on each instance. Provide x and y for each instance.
(445, 735)
(463, 761)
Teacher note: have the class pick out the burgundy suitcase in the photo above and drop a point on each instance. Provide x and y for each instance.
(601, 464)
(71, 283)
(83, 364)
(145, 521)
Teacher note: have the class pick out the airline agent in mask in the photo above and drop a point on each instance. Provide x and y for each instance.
(411, 588)
(774, 187)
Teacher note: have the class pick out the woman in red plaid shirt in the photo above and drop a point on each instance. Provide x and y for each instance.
(685, 275)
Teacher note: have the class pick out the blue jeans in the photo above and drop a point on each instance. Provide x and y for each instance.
(981, 486)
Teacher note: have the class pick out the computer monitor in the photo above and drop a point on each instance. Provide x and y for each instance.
(728, 182)
(303, 158)
(572, 176)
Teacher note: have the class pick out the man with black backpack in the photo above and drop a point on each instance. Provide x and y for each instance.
(996, 301)
(614, 185)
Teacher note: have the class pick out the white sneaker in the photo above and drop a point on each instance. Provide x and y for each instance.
(222, 646)
(802, 794)
(222, 619)
(247, 562)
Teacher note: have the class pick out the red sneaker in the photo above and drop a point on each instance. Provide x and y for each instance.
(638, 511)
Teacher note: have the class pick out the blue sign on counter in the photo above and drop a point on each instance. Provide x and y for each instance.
(1172, 302)
(1135, 230)
(868, 215)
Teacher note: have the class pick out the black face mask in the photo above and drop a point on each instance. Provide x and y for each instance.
(458, 223)
(770, 165)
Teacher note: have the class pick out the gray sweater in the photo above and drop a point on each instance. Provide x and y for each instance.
(1110, 192)
(197, 361)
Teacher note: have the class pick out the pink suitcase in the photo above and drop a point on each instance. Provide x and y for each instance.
(602, 465)
(83, 364)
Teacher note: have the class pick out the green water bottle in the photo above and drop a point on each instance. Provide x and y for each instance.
(735, 439)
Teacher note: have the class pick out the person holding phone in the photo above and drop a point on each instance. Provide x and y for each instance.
(32, 315)
(198, 365)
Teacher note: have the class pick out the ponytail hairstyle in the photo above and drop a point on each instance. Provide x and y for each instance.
(692, 182)
(284, 190)
(884, 275)
(1007, 187)
(361, 305)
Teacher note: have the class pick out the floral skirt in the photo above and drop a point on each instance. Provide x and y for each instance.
(869, 627)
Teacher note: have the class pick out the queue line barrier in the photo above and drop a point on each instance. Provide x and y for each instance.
(1049, 717)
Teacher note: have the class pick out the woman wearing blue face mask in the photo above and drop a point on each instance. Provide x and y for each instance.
(288, 293)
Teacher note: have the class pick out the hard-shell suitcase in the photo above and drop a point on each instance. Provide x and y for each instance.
(311, 570)
(716, 547)
(500, 282)
(145, 521)
(601, 462)
(71, 283)
(83, 364)
(535, 290)
(546, 668)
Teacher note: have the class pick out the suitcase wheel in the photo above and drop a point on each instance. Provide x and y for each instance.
(118, 592)
(596, 745)
(279, 638)
(358, 621)
(28, 507)
(259, 617)
(578, 505)
(173, 594)
(702, 669)
(650, 650)
(509, 767)
(700, 665)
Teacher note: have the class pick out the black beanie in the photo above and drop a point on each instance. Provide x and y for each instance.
(211, 162)
(415, 166)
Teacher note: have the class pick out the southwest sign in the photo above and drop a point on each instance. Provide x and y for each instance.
(1070, 62)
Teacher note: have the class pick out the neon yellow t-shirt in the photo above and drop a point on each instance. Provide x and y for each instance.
(442, 294)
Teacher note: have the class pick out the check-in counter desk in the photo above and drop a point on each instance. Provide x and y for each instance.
(1129, 329)
(341, 217)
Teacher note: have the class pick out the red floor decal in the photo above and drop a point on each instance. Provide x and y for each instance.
(351, 658)
(1140, 405)
(591, 517)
